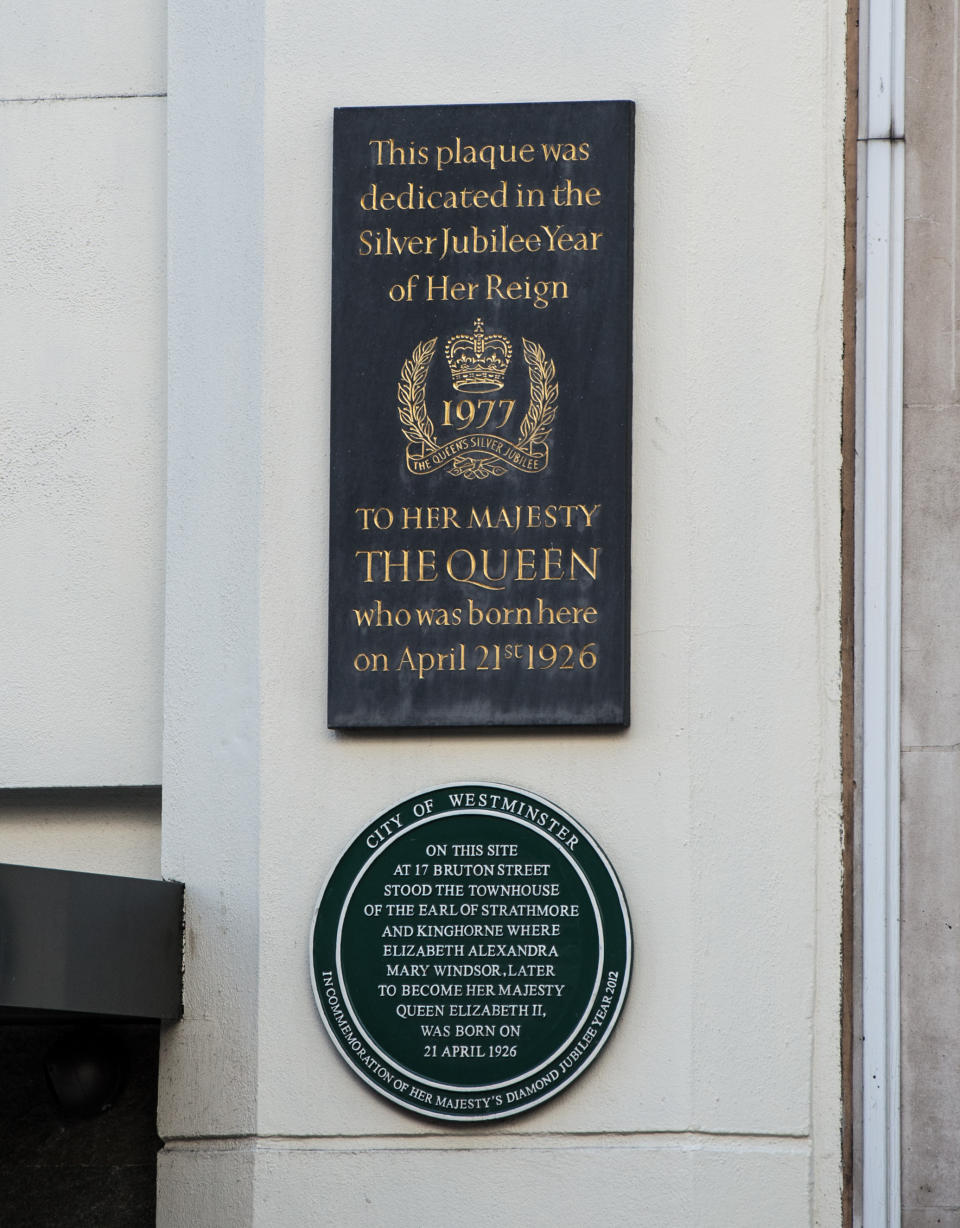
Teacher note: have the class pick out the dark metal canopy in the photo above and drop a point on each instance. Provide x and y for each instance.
(89, 944)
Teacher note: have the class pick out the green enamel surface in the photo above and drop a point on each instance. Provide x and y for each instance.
(471, 952)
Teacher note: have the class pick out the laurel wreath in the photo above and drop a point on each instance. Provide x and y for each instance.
(411, 398)
(537, 421)
(534, 429)
(475, 467)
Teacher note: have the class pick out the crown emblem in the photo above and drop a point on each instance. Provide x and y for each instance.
(478, 362)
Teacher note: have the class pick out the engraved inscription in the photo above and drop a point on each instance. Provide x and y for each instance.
(480, 415)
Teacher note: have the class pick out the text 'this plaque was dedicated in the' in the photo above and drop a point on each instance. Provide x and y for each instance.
(480, 437)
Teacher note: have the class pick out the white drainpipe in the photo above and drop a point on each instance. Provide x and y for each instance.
(880, 422)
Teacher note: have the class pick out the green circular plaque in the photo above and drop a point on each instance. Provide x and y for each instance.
(471, 952)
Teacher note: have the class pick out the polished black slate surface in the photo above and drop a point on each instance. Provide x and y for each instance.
(529, 480)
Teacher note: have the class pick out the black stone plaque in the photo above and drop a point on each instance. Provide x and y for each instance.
(471, 952)
(480, 435)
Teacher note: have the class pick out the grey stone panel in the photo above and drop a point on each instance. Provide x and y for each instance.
(930, 978)
(930, 770)
(931, 272)
(931, 578)
(931, 1217)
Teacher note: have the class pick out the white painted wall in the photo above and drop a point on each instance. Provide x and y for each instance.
(101, 831)
(82, 395)
(491, 1180)
(57, 49)
(717, 1101)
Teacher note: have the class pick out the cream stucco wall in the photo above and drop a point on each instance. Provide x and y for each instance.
(720, 807)
(717, 1101)
(100, 831)
(82, 395)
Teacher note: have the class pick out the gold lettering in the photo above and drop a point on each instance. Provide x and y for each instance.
(486, 566)
(590, 569)
(541, 293)
(368, 554)
(552, 562)
(480, 519)
(524, 563)
(391, 154)
(443, 288)
(567, 194)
